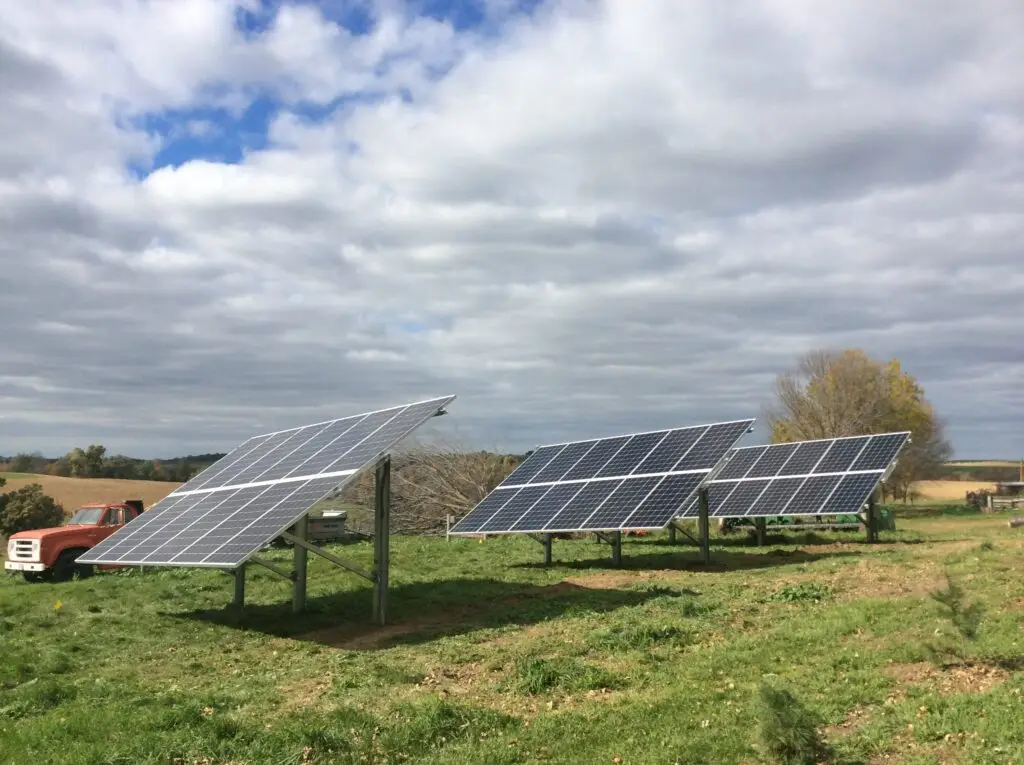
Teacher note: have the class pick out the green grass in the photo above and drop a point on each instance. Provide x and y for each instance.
(16, 475)
(492, 658)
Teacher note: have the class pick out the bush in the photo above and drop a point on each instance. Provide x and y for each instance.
(28, 508)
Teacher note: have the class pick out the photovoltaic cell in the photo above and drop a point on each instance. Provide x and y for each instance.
(880, 451)
(564, 460)
(595, 459)
(662, 505)
(621, 504)
(803, 460)
(248, 497)
(532, 465)
(822, 477)
(631, 455)
(572, 515)
(535, 518)
(840, 456)
(713, 445)
(513, 510)
(773, 500)
(619, 483)
(772, 461)
(669, 451)
(741, 461)
(491, 504)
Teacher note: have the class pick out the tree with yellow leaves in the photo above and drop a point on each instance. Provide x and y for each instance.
(847, 393)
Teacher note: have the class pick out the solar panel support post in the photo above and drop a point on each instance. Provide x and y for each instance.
(871, 520)
(704, 525)
(672, 533)
(759, 526)
(301, 558)
(381, 539)
(545, 541)
(239, 598)
(617, 548)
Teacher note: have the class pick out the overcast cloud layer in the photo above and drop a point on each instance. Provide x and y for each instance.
(580, 217)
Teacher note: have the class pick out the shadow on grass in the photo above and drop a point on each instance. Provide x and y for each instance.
(689, 559)
(423, 611)
(748, 540)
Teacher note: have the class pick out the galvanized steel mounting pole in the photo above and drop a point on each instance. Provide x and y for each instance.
(617, 548)
(547, 549)
(704, 526)
(759, 525)
(299, 567)
(871, 521)
(381, 540)
(239, 599)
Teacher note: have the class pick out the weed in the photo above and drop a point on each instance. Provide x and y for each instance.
(626, 637)
(814, 592)
(534, 676)
(788, 730)
(987, 546)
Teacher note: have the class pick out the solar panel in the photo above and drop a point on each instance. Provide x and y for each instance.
(638, 481)
(262, 487)
(822, 477)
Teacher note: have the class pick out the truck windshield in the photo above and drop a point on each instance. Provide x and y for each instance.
(86, 516)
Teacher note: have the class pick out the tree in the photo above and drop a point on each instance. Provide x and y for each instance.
(847, 393)
(119, 466)
(28, 508)
(28, 463)
(430, 483)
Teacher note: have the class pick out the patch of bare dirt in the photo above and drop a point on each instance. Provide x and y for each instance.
(964, 678)
(305, 693)
(367, 637)
(456, 680)
(854, 719)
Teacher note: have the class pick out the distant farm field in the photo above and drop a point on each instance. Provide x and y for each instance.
(74, 492)
(984, 463)
(946, 490)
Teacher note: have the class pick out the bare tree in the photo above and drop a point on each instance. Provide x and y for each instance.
(428, 483)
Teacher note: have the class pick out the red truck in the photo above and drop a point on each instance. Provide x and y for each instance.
(49, 554)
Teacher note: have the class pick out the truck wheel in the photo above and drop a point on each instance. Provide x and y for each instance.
(65, 567)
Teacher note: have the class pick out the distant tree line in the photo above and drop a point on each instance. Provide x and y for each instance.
(93, 462)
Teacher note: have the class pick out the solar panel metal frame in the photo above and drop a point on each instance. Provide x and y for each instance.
(344, 478)
(880, 475)
(516, 488)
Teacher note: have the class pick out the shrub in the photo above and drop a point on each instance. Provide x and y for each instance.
(789, 732)
(28, 508)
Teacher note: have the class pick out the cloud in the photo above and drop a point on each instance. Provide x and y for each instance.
(581, 217)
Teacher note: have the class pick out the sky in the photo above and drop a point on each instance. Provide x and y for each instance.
(580, 217)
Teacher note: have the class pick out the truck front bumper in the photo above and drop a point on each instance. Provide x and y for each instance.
(20, 565)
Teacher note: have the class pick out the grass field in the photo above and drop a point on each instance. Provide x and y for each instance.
(74, 492)
(492, 658)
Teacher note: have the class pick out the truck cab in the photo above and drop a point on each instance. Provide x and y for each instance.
(50, 554)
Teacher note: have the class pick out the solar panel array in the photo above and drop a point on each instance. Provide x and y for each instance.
(627, 482)
(823, 477)
(262, 487)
